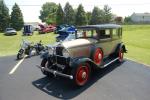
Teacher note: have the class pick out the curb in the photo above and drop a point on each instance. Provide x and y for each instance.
(137, 62)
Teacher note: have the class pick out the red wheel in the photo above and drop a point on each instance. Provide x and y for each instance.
(120, 55)
(82, 74)
(98, 56)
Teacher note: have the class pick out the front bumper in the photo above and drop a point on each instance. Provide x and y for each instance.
(55, 73)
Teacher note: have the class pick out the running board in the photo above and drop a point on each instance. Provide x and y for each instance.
(110, 62)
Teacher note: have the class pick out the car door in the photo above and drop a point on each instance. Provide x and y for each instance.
(105, 42)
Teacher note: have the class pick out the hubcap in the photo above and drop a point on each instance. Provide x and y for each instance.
(83, 75)
(98, 56)
(120, 55)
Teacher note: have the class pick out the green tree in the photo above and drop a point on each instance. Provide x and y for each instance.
(4, 16)
(17, 21)
(69, 14)
(48, 12)
(97, 16)
(107, 17)
(127, 20)
(59, 15)
(88, 15)
(81, 18)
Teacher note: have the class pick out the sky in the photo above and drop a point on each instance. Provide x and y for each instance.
(31, 8)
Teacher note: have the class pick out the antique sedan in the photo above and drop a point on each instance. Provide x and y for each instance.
(97, 46)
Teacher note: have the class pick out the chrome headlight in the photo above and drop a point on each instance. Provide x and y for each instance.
(65, 53)
(50, 50)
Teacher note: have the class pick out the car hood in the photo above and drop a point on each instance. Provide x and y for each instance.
(78, 42)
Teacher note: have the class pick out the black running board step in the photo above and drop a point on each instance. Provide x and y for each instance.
(109, 61)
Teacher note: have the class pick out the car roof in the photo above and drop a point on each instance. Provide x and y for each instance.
(100, 26)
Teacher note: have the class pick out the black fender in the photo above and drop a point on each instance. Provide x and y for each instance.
(93, 48)
(21, 51)
(77, 61)
(119, 46)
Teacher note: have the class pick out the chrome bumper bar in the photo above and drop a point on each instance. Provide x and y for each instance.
(56, 73)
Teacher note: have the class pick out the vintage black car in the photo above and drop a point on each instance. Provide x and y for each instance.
(97, 47)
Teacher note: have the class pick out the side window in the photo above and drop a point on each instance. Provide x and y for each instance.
(104, 34)
(115, 33)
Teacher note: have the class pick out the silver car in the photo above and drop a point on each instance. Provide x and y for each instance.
(10, 31)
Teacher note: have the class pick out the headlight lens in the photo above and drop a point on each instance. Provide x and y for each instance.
(65, 53)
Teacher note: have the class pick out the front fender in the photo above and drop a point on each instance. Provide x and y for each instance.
(21, 51)
(77, 61)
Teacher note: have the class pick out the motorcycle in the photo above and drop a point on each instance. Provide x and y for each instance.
(39, 47)
(30, 49)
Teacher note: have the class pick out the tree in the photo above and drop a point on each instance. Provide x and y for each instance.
(17, 21)
(88, 15)
(59, 15)
(4, 16)
(48, 12)
(107, 17)
(127, 20)
(81, 18)
(69, 14)
(97, 16)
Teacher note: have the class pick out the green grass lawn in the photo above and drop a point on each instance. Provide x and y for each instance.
(9, 45)
(136, 38)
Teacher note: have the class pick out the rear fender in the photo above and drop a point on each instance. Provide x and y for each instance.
(121, 45)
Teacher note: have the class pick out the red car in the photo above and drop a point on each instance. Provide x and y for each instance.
(44, 29)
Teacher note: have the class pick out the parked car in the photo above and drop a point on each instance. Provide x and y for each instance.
(60, 28)
(28, 30)
(10, 31)
(46, 29)
(63, 33)
(97, 47)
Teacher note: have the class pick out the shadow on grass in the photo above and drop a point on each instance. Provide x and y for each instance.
(63, 89)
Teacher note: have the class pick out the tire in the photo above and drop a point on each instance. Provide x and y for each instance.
(81, 74)
(20, 55)
(44, 63)
(97, 56)
(120, 55)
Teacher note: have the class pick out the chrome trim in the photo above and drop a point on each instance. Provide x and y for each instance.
(111, 62)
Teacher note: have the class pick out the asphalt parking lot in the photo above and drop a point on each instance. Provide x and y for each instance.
(128, 81)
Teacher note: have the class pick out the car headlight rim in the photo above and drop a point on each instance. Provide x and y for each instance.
(65, 53)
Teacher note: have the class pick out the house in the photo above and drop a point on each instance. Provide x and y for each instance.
(140, 17)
